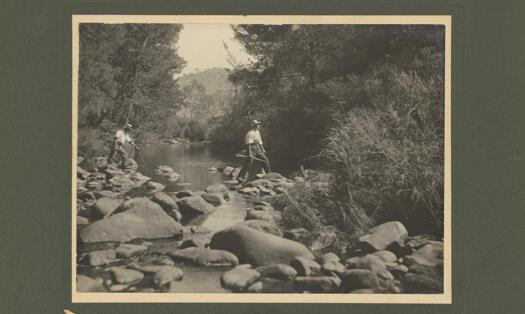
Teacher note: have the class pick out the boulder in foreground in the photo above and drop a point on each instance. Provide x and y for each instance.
(258, 248)
(380, 237)
(138, 218)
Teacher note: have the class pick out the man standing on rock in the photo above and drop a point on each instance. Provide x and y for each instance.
(256, 150)
(122, 137)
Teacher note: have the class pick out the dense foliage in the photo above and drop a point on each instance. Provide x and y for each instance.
(363, 102)
(126, 75)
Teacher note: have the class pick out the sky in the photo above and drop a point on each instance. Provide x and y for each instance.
(202, 46)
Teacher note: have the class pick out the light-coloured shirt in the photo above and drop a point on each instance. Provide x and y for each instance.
(122, 137)
(253, 137)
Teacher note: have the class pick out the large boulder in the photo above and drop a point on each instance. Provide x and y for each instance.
(382, 236)
(264, 226)
(204, 257)
(136, 218)
(193, 206)
(168, 204)
(104, 206)
(258, 248)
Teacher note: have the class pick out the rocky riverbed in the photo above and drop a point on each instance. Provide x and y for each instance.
(138, 235)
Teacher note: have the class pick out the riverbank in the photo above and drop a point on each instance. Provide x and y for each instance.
(139, 235)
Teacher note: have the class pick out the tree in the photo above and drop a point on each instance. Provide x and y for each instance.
(126, 73)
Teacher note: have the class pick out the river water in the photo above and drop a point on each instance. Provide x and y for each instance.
(192, 162)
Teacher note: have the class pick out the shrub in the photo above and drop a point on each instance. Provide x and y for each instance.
(387, 156)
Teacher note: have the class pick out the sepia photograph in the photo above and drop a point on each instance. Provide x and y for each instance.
(261, 159)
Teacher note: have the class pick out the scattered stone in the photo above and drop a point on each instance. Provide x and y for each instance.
(238, 279)
(127, 250)
(101, 162)
(329, 258)
(228, 170)
(259, 183)
(216, 188)
(324, 238)
(140, 218)
(165, 201)
(184, 193)
(258, 248)
(95, 186)
(265, 191)
(372, 262)
(167, 274)
(305, 266)
(235, 172)
(204, 257)
(118, 288)
(87, 284)
(261, 203)
(260, 215)
(81, 221)
(105, 193)
(264, 226)
(102, 257)
(255, 287)
(334, 267)
(104, 206)
(231, 182)
(249, 191)
(386, 256)
(152, 187)
(417, 259)
(194, 242)
(317, 284)
(380, 237)
(193, 206)
(212, 169)
(277, 271)
(216, 199)
(263, 208)
(138, 178)
(415, 242)
(163, 169)
(122, 183)
(416, 283)
(432, 251)
(398, 270)
(274, 176)
(354, 279)
(127, 276)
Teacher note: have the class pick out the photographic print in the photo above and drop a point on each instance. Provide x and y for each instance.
(261, 159)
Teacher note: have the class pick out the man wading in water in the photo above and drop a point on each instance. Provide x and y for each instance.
(122, 137)
(256, 150)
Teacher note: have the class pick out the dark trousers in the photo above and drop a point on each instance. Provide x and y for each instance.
(250, 162)
(117, 148)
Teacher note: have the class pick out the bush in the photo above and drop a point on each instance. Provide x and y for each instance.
(387, 157)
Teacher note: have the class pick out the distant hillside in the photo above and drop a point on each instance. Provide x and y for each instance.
(208, 94)
(215, 79)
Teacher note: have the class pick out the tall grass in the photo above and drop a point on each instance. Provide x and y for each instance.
(387, 155)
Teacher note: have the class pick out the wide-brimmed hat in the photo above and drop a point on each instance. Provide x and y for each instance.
(255, 122)
(128, 126)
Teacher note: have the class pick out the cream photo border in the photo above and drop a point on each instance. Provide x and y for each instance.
(444, 298)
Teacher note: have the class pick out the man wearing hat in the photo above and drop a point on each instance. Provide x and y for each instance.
(255, 150)
(122, 137)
